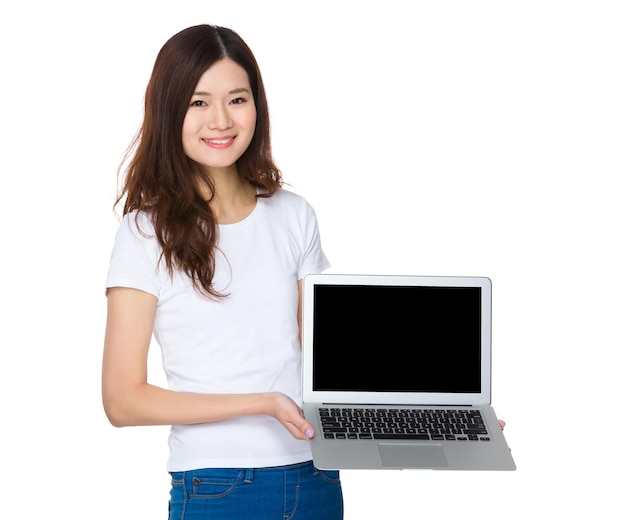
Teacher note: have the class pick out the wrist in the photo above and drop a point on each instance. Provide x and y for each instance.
(268, 403)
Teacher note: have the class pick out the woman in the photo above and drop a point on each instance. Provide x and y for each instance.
(209, 259)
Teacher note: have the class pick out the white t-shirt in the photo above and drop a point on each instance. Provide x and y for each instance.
(247, 342)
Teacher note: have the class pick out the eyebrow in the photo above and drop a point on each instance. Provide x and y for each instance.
(234, 91)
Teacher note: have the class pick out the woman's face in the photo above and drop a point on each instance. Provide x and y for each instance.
(221, 117)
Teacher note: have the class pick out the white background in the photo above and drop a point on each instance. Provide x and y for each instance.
(440, 137)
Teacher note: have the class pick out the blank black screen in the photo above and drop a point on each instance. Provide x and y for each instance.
(396, 338)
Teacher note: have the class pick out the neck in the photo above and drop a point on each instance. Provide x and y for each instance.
(234, 198)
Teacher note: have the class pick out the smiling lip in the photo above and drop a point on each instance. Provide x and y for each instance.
(221, 142)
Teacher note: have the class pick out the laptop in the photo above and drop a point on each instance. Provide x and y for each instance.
(397, 373)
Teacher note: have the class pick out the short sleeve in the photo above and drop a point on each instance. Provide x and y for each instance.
(135, 256)
(314, 259)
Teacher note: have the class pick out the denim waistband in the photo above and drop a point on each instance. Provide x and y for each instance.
(297, 465)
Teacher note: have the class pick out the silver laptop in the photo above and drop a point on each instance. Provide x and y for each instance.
(397, 373)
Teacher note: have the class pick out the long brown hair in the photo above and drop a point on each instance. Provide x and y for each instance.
(161, 180)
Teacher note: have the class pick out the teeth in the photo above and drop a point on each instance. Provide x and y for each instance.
(217, 141)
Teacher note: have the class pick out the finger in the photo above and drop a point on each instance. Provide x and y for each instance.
(302, 433)
(299, 427)
(307, 429)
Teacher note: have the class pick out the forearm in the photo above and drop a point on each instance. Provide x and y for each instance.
(151, 405)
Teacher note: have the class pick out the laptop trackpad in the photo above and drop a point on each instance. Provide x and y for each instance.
(412, 455)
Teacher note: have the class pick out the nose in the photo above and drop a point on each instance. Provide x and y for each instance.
(219, 117)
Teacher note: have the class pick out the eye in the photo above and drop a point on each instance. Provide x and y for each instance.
(198, 103)
(238, 101)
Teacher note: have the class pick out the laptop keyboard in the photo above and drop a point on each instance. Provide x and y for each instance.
(464, 424)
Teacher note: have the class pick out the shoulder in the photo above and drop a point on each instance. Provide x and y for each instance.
(291, 211)
(286, 200)
(138, 223)
(136, 231)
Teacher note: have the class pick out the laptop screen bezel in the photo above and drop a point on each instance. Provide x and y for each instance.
(309, 394)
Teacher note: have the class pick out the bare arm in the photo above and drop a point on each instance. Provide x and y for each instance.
(128, 398)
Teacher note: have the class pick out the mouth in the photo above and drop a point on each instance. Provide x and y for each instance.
(223, 141)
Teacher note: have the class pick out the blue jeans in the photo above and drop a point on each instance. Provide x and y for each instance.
(295, 492)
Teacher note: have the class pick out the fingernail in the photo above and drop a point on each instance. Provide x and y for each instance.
(309, 433)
